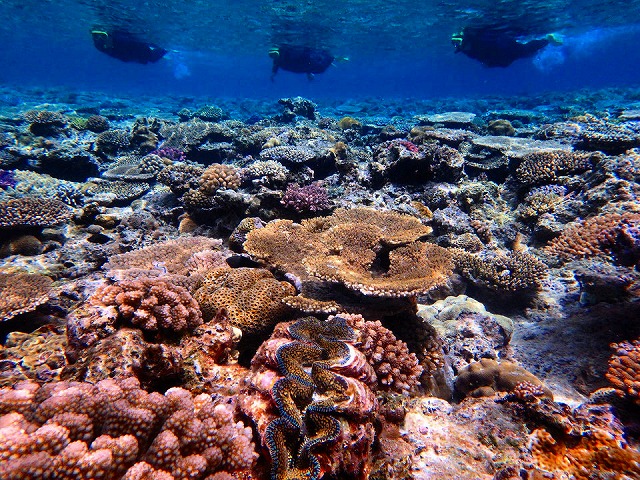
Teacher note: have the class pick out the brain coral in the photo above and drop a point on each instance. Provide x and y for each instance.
(251, 297)
(22, 292)
(116, 430)
(33, 212)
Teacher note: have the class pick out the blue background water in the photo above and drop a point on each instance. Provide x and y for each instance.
(396, 49)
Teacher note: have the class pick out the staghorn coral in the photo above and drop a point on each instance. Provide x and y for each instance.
(624, 369)
(546, 166)
(152, 305)
(328, 410)
(396, 369)
(116, 430)
(610, 234)
(512, 272)
(251, 297)
(32, 212)
(22, 292)
(488, 376)
(218, 176)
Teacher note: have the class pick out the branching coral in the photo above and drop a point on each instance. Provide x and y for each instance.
(150, 304)
(546, 166)
(624, 369)
(397, 370)
(611, 234)
(33, 212)
(513, 272)
(250, 297)
(306, 199)
(22, 292)
(116, 430)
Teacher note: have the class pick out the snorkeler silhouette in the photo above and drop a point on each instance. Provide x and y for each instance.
(299, 59)
(126, 47)
(495, 48)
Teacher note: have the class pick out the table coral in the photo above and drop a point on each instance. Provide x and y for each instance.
(22, 292)
(251, 297)
(33, 212)
(113, 429)
(374, 252)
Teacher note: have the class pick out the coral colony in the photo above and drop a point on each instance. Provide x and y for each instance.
(291, 293)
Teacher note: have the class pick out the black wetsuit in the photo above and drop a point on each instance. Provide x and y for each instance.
(126, 47)
(497, 49)
(302, 60)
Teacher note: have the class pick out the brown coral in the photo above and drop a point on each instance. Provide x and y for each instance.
(513, 272)
(610, 234)
(547, 166)
(116, 430)
(251, 297)
(624, 369)
(170, 257)
(22, 292)
(397, 370)
(33, 212)
(374, 252)
(218, 176)
(150, 304)
(486, 377)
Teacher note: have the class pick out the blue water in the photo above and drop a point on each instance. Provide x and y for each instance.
(396, 49)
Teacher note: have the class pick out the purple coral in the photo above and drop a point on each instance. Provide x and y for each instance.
(309, 198)
(173, 154)
(7, 179)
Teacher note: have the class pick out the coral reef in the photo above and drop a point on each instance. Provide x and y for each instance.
(32, 212)
(22, 292)
(306, 199)
(250, 297)
(547, 166)
(624, 369)
(114, 429)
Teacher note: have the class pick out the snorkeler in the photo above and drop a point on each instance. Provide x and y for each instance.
(126, 47)
(299, 59)
(494, 48)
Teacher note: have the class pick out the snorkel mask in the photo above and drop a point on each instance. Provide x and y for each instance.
(456, 39)
(274, 52)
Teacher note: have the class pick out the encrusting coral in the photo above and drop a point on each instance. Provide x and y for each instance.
(114, 429)
(22, 292)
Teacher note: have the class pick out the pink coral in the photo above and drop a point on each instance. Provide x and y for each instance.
(52, 432)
